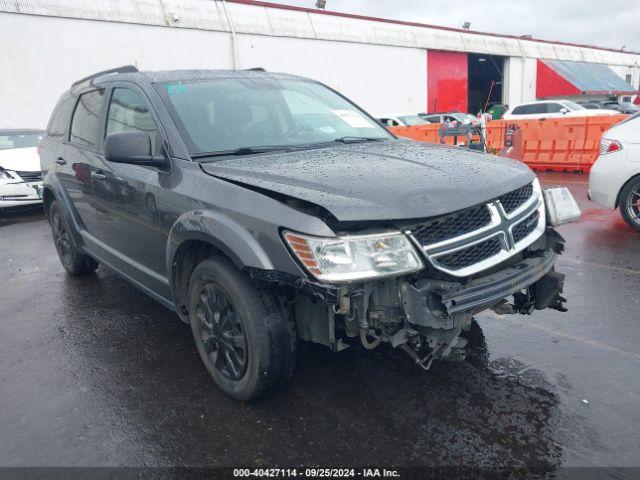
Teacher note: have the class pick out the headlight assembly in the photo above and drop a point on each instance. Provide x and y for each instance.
(561, 206)
(6, 174)
(358, 257)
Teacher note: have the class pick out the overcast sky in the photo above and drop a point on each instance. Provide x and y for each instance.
(605, 23)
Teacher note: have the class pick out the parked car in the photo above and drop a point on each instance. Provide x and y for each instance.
(449, 117)
(407, 120)
(552, 109)
(593, 105)
(618, 106)
(622, 107)
(213, 193)
(20, 175)
(614, 181)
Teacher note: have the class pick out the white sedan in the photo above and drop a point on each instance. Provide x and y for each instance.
(553, 109)
(402, 120)
(20, 174)
(614, 181)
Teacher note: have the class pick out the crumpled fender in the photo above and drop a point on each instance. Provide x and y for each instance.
(235, 241)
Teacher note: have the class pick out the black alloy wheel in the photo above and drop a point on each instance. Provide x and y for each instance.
(73, 259)
(61, 238)
(221, 332)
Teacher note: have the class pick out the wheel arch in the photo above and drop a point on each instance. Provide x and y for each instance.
(47, 199)
(634, 177)
(198, 235)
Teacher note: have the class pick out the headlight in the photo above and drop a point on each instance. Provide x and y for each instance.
(6, 174)
(561, 206)
(342, 259)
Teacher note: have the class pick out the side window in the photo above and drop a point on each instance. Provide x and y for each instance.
(522, 110)
(128, 111)
(554, 107)
(85, 124)
(538, 108)
(60, 118)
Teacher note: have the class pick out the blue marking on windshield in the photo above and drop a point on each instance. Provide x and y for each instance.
(175, 88)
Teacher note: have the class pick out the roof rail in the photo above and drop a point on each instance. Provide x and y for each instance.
(123, 69)
(256, 69)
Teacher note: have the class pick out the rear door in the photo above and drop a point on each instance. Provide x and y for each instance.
(128, 230)
(77, 156)
(57, 132)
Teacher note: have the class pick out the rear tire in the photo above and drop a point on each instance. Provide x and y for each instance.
(73, 260)
(630, 203)
(246, 342)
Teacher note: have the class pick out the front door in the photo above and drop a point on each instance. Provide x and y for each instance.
(129, 231)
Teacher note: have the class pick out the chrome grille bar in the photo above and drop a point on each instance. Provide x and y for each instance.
(501, 226)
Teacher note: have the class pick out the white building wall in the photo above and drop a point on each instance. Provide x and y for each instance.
(270, 21)
(626, 71)
(59, 51)
(43, 63)
(382, 66)
(382, 80)
(519, 80)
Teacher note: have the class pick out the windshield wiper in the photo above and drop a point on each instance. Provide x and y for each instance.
(237, 152)
(350, 139)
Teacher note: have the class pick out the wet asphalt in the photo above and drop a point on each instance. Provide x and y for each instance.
(94, 373)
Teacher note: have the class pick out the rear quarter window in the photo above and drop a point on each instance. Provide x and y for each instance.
(60, 118)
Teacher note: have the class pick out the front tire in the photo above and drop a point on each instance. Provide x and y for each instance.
(630, 203)
(243, 337)
(73, 260)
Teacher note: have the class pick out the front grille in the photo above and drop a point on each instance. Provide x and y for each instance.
(30, 176)
(472, 240)
(512, 200)
(471, 255)
(527, 226)
(453, 225)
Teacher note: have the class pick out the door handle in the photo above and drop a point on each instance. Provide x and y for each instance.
(61, 161)
(98, 175)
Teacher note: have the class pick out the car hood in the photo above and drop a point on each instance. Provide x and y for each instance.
(20, 159)
(389, 180)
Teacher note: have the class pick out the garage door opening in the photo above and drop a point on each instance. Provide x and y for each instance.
(486, 80)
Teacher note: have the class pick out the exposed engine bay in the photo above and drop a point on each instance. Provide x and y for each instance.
(424, 314)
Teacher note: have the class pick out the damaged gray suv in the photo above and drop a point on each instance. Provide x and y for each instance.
(266, 208)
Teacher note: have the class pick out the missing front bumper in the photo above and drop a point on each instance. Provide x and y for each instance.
(532, 282)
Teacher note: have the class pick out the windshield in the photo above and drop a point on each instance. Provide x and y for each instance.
(12, 140)
(572, 105)
(464, 117)
(412, 120)
(219, 115)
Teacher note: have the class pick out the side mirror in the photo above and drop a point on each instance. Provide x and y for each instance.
(564, 111)
(133, 147)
